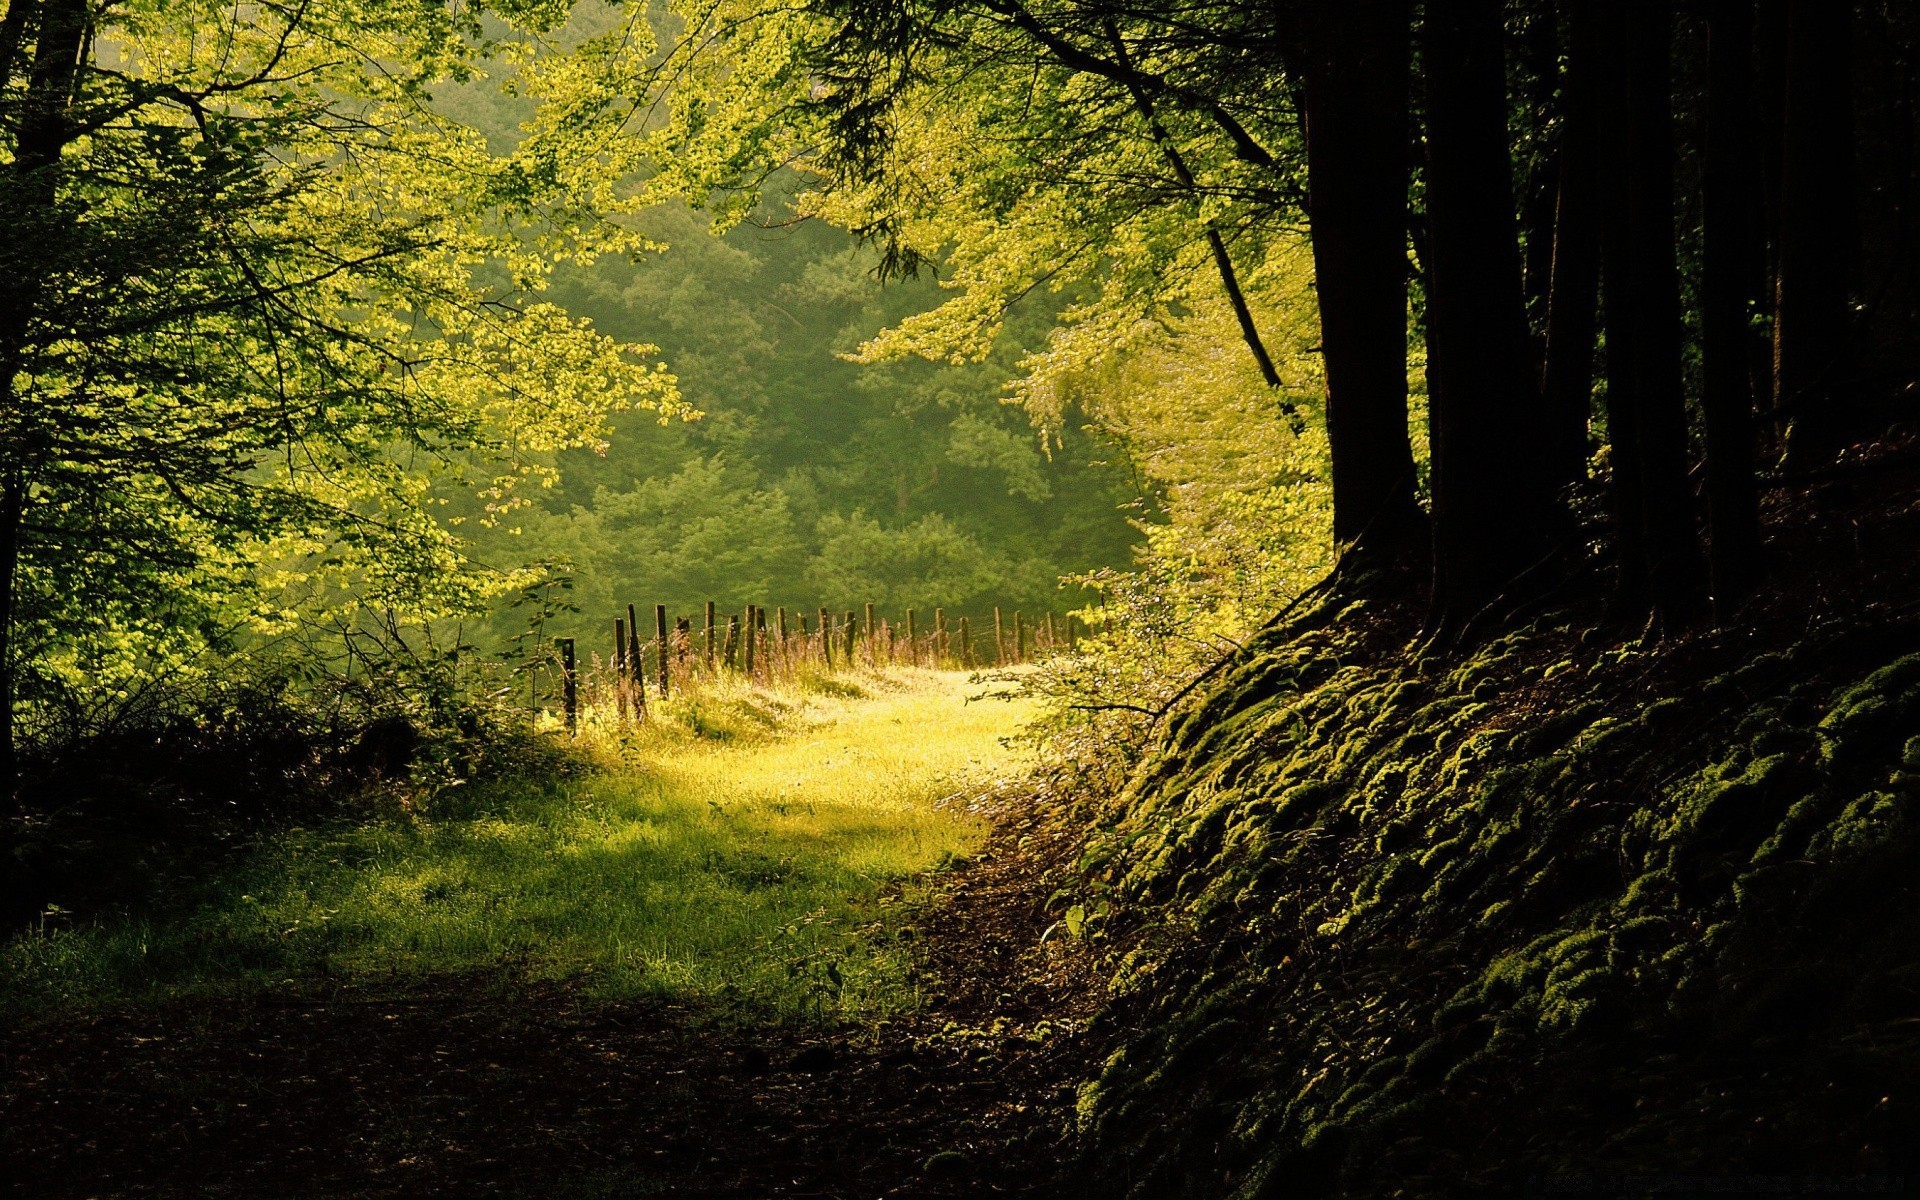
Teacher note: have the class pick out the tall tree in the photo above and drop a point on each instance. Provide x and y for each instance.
(1574, 292)
(36, 230)
(1356, 66)
(1729, 264)
(1492, 504)
(1659, 552)
(243, 324)
(1813, 387)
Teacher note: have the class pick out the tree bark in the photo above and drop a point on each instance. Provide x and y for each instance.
(1660, 554)
(1574, 292)
(1539, 54)
(30, 216)
(1492, 506)
(1357, 72)
(1811, 363)
(12, 508)
(1728, 266)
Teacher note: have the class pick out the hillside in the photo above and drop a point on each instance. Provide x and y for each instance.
(1394, 923)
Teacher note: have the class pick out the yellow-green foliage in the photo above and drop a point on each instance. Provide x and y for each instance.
(1366, 893)
(763, 866)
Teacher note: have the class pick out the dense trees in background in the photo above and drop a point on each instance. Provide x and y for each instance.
(810, 479)
(1603, 210)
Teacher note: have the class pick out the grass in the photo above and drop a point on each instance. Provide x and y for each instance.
(755, 848)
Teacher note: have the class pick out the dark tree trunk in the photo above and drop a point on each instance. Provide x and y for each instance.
(32, 224)
(1673, 546)
(1730, 253)
(1539, 55)
(1769, 114)
(1659, 550)
(1357, 65)
(1492, 506)
(1810, 329)
(12, 507)
(1574, 295)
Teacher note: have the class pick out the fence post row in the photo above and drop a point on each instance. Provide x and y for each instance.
(759, 645)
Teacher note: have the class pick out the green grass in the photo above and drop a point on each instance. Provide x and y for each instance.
(746, 847)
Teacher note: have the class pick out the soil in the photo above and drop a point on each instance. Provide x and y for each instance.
(484, 1086)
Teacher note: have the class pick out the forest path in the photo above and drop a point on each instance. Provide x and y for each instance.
(723, 974)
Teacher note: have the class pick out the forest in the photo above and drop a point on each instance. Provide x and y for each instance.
(947, 598)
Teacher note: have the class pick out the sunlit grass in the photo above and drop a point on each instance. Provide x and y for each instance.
(748, 846)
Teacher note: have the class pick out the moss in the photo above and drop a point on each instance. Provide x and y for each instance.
(1404, 894)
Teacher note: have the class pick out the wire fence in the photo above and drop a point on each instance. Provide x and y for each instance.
(654, 658)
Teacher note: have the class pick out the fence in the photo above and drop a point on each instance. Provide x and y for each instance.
(769, 648)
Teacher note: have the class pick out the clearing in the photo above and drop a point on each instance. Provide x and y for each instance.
(778, 949)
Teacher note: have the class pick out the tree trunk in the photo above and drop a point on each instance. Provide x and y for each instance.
(1660, 554)
(1728, 266)
(1357, 81)
(1574, 294)
(12, 507)
(1539, 54)
(1492, 506)
(1810, 328)
(33, 225)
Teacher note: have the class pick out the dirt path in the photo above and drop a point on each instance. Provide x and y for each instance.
(479, 1086)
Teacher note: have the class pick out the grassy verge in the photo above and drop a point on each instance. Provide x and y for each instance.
(752, 847)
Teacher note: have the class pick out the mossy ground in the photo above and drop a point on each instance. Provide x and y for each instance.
(1396, 923)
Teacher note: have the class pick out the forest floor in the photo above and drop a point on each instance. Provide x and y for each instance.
(807, 963)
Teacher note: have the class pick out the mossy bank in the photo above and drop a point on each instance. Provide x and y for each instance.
(1393, 925)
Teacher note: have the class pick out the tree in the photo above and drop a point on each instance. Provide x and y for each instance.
(1813, 384)
(1729, 261)
(1141, 161)
(1573, 295)
(1356, 74)
(1657, 547)
(258, 297)
(1492, 504)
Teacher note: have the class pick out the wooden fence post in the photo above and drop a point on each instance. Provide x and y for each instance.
(660, 635)
(1051, 643)
(940, 637)
(873, 647)
(732, 643)
(826, 639)
(710, 634)
(636, 665)
(1072, 634)
(748, 651)
(619, 665)
(913, 647)
(999, 640)
(853, 636)
(966, 644)
(570, 697)
(1019, 638)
